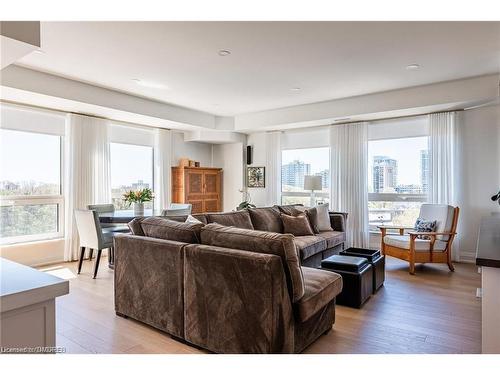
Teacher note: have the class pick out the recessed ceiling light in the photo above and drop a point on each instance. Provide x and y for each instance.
(412, 67)
(149, 84)
(295, 89)
(224, 52)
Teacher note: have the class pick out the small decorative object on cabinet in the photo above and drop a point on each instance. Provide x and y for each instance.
(202, 187)
(256, 177)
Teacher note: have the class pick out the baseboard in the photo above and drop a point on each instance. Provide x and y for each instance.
(467, 257)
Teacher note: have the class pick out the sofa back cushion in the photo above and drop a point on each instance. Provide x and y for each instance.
(291, 209)
(183, 218)
(260, 242)
(266, 219)
(166, 229)
(238, 219)
(297, 225)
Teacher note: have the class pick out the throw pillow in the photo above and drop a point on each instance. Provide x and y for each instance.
(297, 225)
(135, 226)
(422, 225)
(319, 218)
(191, 219)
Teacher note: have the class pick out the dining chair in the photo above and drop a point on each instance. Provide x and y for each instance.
(91, 236)
(424, 247)
(177, 209)
(108, 227)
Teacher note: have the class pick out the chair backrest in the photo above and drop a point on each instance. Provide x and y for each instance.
(444, 216)
(89, 229)
(100, 208)
(176, 209)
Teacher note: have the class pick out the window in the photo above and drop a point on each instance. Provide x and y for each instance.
(131, 169)
(31, 200)
(295, 164)
(398, 180)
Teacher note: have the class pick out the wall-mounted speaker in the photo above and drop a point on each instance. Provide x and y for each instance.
(249, 155)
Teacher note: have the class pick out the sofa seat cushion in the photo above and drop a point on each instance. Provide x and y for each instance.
(403, 242)
(308, 246)
(160, 227)
(266, 219)
(332, 238)
(321, 287)
(238, 219)
(260, 242)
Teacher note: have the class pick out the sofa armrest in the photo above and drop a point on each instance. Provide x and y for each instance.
(338, 221)
(236, 301)
(147, 268)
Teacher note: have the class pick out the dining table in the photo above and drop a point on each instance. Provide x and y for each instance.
(124, 216)
(118, 217)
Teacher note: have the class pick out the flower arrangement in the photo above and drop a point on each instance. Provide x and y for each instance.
(138, 196)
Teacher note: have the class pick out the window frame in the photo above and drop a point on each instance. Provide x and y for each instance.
(152, 165)
(395, 197)
(25, 200)
(306, 194)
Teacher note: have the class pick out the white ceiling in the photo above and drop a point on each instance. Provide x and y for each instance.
(327, 60)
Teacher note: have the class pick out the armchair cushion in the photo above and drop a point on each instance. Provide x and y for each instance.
(442, 213)
(403, 242)
(321, 287)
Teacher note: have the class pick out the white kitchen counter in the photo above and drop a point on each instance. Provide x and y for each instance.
(27, 306)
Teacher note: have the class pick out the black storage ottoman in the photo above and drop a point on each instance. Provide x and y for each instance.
(357, 278)
(375, 258)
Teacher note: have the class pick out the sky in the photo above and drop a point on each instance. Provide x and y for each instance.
(406, 151)
(130, 163)
(28, 156)
(319, 158)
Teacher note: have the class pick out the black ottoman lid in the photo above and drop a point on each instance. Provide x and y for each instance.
(344, 263)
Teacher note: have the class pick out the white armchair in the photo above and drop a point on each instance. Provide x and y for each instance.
(410, 247)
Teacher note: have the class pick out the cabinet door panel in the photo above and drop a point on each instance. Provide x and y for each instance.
(194, 182)
(211, 182)
(197, 206)
(211, 205)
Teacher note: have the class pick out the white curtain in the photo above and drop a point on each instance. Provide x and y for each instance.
(162, 170)
(273, 170)
(87, 172)
(444, 142)
(349, 185)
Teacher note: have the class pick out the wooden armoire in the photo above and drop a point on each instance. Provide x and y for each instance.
(202, 187)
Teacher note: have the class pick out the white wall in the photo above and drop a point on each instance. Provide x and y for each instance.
(230, 157)
(201, 152)
(258, 143)
(480, 154)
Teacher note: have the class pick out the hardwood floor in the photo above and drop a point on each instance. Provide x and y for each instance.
(434, 311)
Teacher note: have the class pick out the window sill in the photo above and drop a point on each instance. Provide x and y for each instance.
(30, 241)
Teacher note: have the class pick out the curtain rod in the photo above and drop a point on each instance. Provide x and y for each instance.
(371, 121)
(79, 113)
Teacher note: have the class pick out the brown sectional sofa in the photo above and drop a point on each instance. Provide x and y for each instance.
(236, 291)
